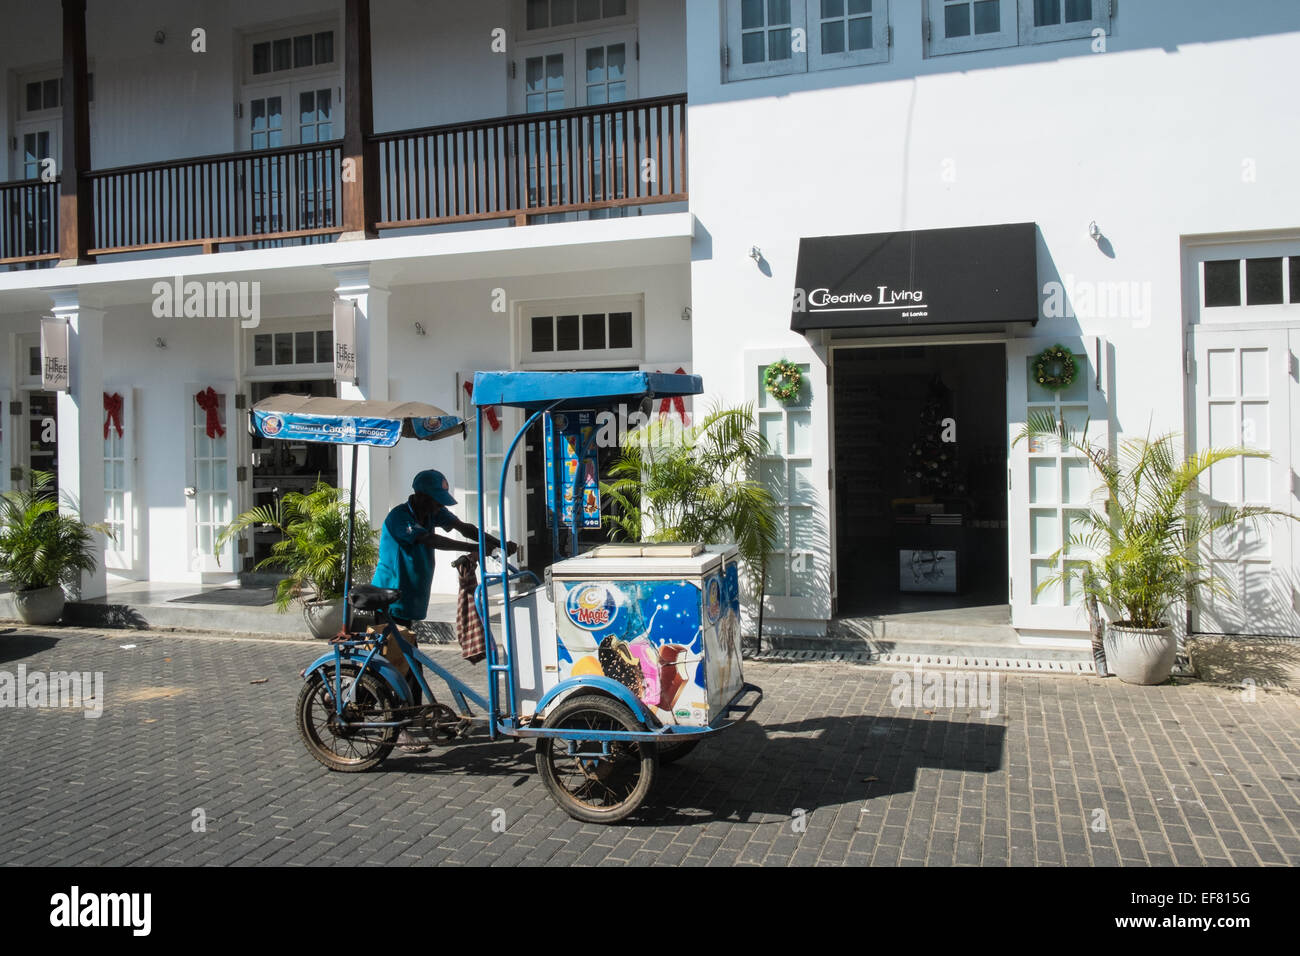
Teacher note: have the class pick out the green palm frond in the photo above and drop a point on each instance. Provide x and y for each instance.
(41, 545)
(314, 535)
(670, 483)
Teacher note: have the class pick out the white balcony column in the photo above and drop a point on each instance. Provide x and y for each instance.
(81, 424)
(372, 383)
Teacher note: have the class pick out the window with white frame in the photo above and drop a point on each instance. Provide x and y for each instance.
(1250, 283)
(775, 37)
(42, 93)
(1042, 21)
(960, 26)
(295, 50)
(847, 33)
(301, 347)
(543, 17)
(579, 332)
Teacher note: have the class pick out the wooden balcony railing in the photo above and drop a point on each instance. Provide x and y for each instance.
(575, 160)
(29, 221)
(260, 196)
(515, 167)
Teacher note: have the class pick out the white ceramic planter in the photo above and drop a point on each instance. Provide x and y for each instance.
(1140, 656)
(39, 605)
(324, 618)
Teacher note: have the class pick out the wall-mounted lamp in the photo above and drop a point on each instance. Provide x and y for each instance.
(686, 314)
(419, 329)
(160, 343)
(159, 37)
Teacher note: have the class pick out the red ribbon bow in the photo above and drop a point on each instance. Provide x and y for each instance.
(209, 401)
(113, 406)
(490, 411)
(674, 402)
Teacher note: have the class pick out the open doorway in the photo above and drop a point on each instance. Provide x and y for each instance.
(539, 541)
(280, 467)
(920, 478)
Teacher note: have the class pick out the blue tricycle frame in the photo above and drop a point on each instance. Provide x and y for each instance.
(374, 711)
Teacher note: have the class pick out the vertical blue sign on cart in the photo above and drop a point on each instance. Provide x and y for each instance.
(675, 643)
(578, 471)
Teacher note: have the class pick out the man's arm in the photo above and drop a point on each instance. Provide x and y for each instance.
(469, 531)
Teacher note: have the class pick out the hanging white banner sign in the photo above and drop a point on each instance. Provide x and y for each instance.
(345, 341)
(54, 355)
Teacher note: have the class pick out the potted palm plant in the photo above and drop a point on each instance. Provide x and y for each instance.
(1145, 543)
(672, 483)
(42, 549)
(314, 536)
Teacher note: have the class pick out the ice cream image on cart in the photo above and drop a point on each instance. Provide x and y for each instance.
(669, 634)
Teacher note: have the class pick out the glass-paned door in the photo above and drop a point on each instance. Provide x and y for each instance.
(1245, 397)
(265, 130)
(582, 160)
(608, 70)
(794, 469)
(1051, 488)
(118, 464)
(37, 146)
(209, 501)
(315, 186)
(41, 411)
(548, 85)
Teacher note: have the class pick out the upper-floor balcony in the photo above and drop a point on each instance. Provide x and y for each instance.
(574, 135)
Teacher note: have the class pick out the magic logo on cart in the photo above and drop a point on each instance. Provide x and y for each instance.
(594, 607)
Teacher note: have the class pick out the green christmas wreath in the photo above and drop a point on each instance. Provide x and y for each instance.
(783, 380)
(1054, 368)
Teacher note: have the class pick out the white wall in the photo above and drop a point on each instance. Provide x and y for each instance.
(464, 334)
(1148, 139)
(432, 63)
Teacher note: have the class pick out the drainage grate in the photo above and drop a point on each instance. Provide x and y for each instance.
(952, 661)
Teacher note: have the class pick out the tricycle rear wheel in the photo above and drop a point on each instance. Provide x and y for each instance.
(596, 781)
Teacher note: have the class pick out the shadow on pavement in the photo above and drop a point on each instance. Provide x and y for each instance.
(767, 770)
(15, 646)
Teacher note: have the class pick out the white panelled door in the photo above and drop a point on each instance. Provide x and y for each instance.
(1245, 395)
(210, 476)
(1050, 489)
(119, 480)
(795, 469)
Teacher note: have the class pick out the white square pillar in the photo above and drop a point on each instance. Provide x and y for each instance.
(81, 424)
(371, 301)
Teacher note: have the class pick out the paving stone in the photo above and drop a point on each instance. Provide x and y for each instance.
(1199, 780)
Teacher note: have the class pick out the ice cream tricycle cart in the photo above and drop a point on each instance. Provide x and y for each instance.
(623, 658)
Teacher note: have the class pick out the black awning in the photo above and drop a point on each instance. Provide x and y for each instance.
(977, 275)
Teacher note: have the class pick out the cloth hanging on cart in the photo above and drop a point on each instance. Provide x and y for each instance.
(469, 627)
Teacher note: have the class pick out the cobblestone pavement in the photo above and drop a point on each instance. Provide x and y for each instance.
(831, 770)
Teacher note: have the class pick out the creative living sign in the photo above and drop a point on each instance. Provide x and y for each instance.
(967, 276)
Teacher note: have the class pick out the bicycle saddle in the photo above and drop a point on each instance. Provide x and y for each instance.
(367, 597)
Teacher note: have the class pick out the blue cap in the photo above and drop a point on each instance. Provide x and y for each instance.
(433, 484)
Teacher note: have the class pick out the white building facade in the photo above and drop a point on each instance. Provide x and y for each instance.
(1141, 150)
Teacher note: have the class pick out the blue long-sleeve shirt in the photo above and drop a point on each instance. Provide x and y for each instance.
(404, 562)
